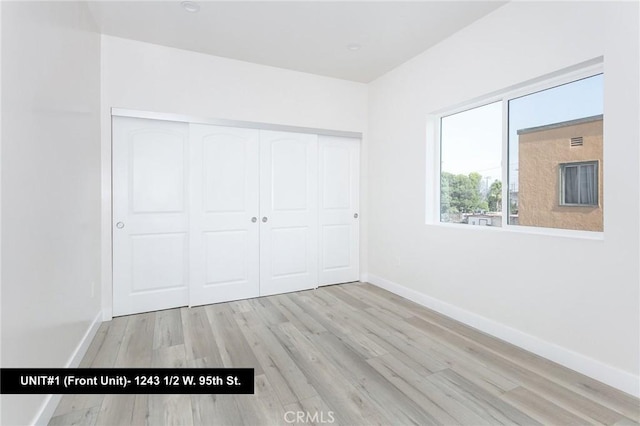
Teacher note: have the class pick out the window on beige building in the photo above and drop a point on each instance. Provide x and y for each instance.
(579, 184)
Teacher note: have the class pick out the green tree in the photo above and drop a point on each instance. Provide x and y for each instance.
(461, 193)
(494, 197)
(445, 193)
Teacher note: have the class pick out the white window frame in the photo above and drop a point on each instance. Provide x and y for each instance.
(433, 152)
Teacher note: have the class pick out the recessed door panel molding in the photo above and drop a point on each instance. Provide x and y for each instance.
(224, 266)
(336, 186)
(224, 227)
(159, 262)
(157, 171)
(150, 215)
(339, 234)
(225, 161)
(288, 212)
(336, 247)
(294, 241)
(289, 167)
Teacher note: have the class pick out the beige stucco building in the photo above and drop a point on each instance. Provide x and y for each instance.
(560, 175)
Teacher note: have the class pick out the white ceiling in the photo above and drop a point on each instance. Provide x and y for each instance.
(304, 36)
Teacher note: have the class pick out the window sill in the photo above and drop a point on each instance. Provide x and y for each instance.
(531, 230)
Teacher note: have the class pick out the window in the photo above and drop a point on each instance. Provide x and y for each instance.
(471, 176)
(552, 129)
(579, 184)
(552, 136)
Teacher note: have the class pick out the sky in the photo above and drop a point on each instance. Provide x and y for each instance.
(472, 140)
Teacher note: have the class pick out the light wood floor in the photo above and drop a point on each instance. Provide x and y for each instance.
(353, 353)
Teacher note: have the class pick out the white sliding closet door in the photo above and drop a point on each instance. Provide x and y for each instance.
(288, 212)
(150, 215)
(339, 174)
(224, 227)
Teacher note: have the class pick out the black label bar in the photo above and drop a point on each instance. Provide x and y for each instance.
(126, 380)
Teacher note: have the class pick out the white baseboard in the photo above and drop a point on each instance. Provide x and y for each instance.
(364, 278)
(50, 403)
(597, 370)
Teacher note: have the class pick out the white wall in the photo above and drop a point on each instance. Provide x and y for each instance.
(148, 77)
(574, 300)
(50, 189)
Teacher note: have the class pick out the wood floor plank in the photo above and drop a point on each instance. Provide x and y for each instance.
(567, 399)
(411, 353)
(486, 376)
(339, 292)
(79, 403)
(544, 411)
(239, 306)
(137, 344)
(626, 422)
(331, 385)
(377, 301)
(389, 400)
(489, 407)
(170, 409)
(606, 395)
(397, 325)
(168, 329)
(118, 410)
(169, 357)
(287, 380)
(337, 322)
(208, 409)
(365, 355)
(108, 352)
(410, 385)
(86, 417)
(263, 407)
(140, 415)
(296, 315)
(199, 342)
(333, 314)
(344, 322)
(232, 345)
(387, 295)
(311, 411)
(265, 309)
(365, 321)
(590, 388)
(215, 409)
(96, 345)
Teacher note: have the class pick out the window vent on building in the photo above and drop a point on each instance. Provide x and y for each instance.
(577, 141)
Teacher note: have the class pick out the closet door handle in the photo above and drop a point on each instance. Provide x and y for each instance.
(120, 225)
(264, 219)
(254, 219)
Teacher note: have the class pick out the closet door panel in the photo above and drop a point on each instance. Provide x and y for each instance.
(150, 217)
(224, 227)
(288, 212)
(339, 172)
